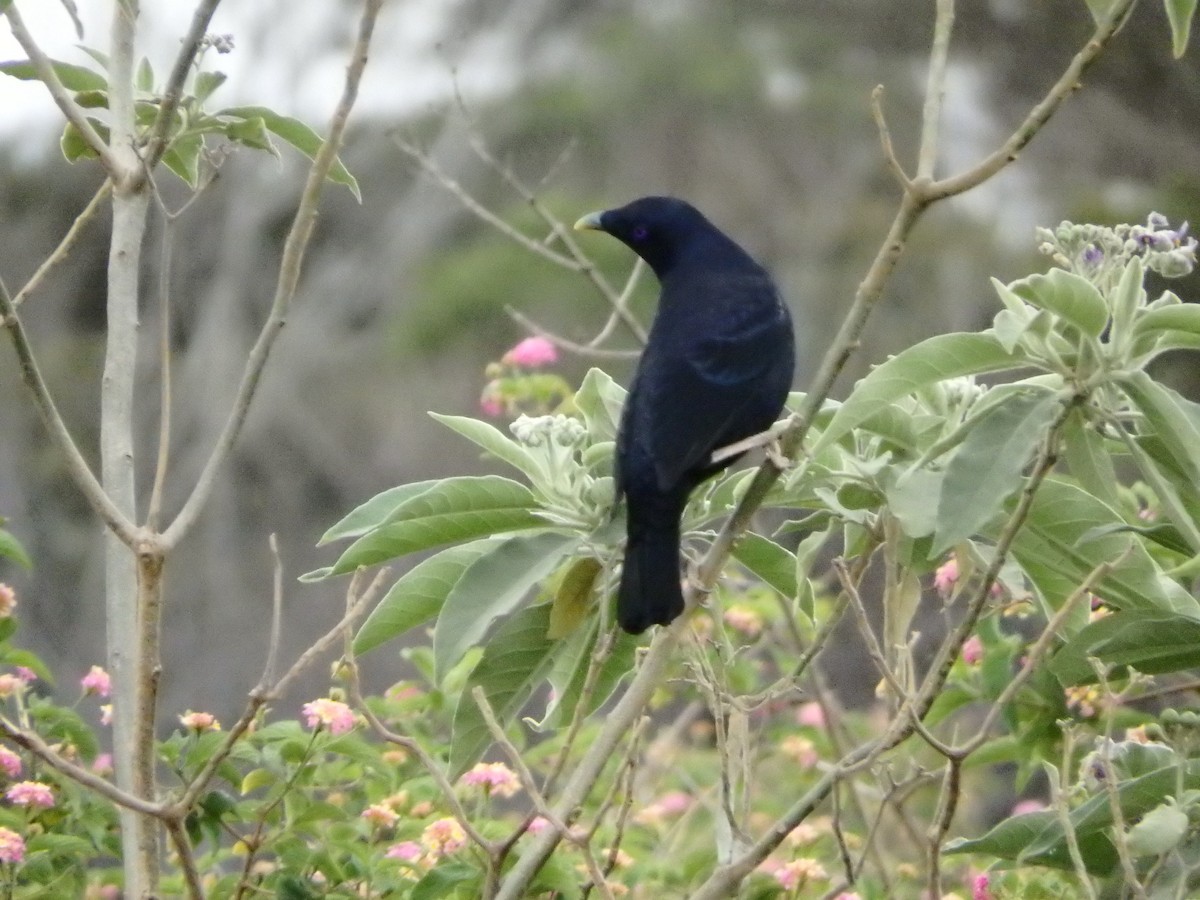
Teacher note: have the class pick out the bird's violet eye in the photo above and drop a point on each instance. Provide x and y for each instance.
(640, 232)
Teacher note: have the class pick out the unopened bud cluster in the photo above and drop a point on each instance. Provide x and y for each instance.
(1100, 253)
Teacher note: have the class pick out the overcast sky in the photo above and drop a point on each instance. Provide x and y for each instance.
(288, 55)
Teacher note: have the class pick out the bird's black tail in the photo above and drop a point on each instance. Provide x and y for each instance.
(650, 593)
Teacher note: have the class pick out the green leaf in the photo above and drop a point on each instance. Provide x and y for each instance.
(252, 133)
(494, 442)
(183, 158)
(568, 677)
(1159, 831)
(573, 596)
(456, 509)
(1175, 420)
(492, 586)
(514, 661)
(207, 83)
(375, 511)
(910, 498)
(599, 400)
(418, 595)
(1088, 460)
(1053, 554)
(767, 560)
(1067, 295)
(144, 77)
(1153, 645)
(1013, 836)
(1128, 298)
(933, 360)
(989, 464)
(1179, 14)
(299, 135)
(73, 77)
(11, 547)
(73, 144)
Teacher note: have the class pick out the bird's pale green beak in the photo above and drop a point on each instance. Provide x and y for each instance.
(590, 222)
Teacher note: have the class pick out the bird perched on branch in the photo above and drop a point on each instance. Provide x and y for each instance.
(716, 369)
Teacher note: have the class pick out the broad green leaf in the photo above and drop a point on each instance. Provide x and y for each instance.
(183, 158)
(494, 442)
(1127, 299)
(569, 690)
(450, 880)
(1153, 645)
(1159, 831)
(1088, 460)
(1179, 14)
(493, 586)
(373, 513)
(599, 400)
(573, 596)
(911, 500)
(73, 145)
(1013, 836)
(988, 465)
(298, 135)
(765, 559)
(73, 77)
(1174, 419)
(456, 509)
(252, 132)
(207, 83)
(1067, 295)
(417, 597)
(1051, 551)
(514, 662)
(10, 547)
(933, 360)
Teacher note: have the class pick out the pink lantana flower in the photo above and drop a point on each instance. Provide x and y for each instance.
(972, 650)
(443, 837)
(199, 721)
(744, 620)
(10, 762)
(103, 764)
(8, 600)
(331, 714)
(811, 715)
(538, 824)
(405, 851)
(945, 576)
(491, 404)
(495, 778)
(10, 685)
(30, 793)
(97, 682)
(106, 714)
(979, 888)
(531, 353)
(380, 814)
(12, 846)
(798, 872)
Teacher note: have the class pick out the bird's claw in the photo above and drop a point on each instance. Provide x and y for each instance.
(779, 459)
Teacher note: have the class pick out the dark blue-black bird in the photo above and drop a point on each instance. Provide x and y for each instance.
(716, 369)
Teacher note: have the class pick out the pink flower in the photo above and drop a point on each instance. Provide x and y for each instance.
(848, 895)
(405, 851)
(8, 600)
(380, 814)
(1025, 807)
(30, 793)
(669, 804)
(979, 888)
(811, 715)
(26, 674)
(494, 778)
(531, 353)
(443, 837)
(800, 749)
(199, 721)
(331, 714)
(10, 762)
(972, 650)
(490, 402)
(798, 872)
(744, 620)
(103, 764)
(96, 681)
(538, 824)
(106, 714)
(946, 575)
(10, 684)
(12, 846)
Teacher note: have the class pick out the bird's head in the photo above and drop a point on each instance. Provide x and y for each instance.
(661, 230)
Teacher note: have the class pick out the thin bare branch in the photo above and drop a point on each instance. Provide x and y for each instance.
(65, 246)
(584, 350)
(935, 89)
(289, 276)
(885, 140)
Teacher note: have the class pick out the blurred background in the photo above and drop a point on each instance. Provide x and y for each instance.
(755, 111)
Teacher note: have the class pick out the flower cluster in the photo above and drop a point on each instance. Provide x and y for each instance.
(8, 601)
(496, 779)
(331, 714)
(97, 682)
(1100, 253)
(515, 383)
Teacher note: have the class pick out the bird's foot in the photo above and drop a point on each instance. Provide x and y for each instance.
(778, 458)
